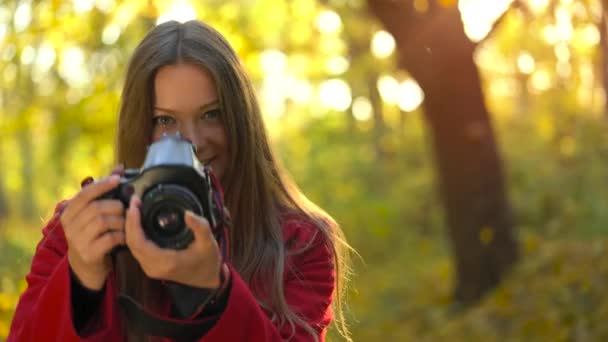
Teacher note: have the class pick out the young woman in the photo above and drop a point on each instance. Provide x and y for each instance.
(281, 276)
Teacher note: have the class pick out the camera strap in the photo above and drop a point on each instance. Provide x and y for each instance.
(155, 325)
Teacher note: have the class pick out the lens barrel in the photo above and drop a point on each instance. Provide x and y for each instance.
(163, 208)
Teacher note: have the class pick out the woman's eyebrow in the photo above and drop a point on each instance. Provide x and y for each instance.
(201, 108)
(210, 104)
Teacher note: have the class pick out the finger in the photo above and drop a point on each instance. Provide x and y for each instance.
(200, 228)
(104, 224)
(135, 237)
(87, 194)
(118, 170)
(98, 208)
(105, 243)
(155, 261)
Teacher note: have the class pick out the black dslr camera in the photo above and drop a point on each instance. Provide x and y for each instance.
(171, 181)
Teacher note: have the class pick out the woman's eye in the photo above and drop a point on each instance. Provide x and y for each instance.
(163, 120)
(212, 114)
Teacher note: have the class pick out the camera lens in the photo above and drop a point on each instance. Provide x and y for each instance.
(169, 220)
(163, 208)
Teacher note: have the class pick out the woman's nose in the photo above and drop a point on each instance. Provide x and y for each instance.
(190, 133)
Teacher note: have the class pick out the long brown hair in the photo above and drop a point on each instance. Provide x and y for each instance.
(257, 189)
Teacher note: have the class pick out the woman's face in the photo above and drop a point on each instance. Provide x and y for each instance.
(186, 101)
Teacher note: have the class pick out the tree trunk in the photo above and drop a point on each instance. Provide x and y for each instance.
(434, 49)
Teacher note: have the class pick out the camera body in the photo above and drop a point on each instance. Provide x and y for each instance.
(171, 181)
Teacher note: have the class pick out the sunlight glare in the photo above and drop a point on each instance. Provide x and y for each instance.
(110, 34)
(562, 52)
(563, 23)
(328, 22)
(362, 108)
(540, 81)
(525, 63)
(27, 55)
(550, 34)
(335, 94)
(81, 6)
(591, 35)
(538, 6)
(45, 58)
(478, 16)
(410, 95)
(179, 10)
(106, 6)
(3, 30)
(71, 67)
(389, 89)
(383, 44)
(337, 65)
(23, 16)
(273, 61)
(563, 69)
(5, 16)
(503, 87)
(300, 91)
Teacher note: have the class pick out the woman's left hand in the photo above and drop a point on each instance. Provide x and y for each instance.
(198, 265)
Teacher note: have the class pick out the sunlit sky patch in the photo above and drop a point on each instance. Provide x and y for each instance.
(478, 16)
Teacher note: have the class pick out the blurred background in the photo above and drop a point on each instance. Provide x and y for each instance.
(461, 144)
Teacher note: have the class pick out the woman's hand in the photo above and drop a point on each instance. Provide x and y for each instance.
(92, 229)
(196, 266)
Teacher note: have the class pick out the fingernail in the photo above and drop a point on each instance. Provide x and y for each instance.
(86, 181)
(118, 170)
(191, 214)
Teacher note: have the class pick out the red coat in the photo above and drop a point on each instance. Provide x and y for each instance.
(44, 311)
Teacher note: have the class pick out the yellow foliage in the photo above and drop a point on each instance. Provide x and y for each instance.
(567, 146)
(4, 326)
(5, 302)
(545, 126)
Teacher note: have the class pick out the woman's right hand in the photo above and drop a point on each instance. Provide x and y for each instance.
(93, 227)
